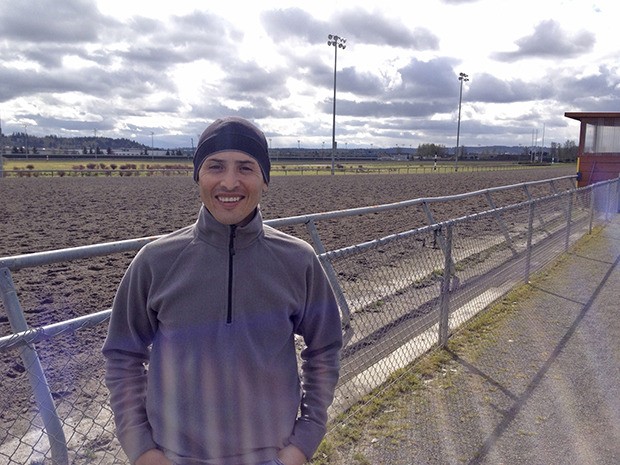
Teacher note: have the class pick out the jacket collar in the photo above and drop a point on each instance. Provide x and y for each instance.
(215, 233)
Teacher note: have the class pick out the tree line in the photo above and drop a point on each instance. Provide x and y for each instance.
(566, 152)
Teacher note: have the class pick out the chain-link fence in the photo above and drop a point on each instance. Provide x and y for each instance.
(400, 295)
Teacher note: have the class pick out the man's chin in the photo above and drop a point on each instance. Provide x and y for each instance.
(230, 218)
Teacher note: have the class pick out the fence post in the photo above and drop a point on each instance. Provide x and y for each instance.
(608, 203)
(592, 195)
(36, 376)
(444, 307)
(530, 233)
(569, 216)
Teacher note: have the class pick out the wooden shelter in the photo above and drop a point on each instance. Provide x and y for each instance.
(599, 146)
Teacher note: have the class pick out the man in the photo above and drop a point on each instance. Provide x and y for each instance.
(212, 309)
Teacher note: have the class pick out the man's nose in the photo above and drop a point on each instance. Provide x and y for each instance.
(230, 180)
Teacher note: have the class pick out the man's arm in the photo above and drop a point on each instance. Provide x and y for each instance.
(126, 351)
(322, 333)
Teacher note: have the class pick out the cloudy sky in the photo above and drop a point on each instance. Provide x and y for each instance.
(161, 71)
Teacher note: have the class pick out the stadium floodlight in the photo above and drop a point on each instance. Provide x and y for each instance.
(462, 78)
(336, 42)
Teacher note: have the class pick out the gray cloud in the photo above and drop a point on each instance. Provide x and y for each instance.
(293, 23)
(550, 40)
(48, 20)
(377, 29)
(434, 79)
(489, 89)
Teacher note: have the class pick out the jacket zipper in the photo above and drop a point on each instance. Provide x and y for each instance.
(231, 254)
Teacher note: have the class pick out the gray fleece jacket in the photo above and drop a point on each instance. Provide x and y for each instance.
(200, 353)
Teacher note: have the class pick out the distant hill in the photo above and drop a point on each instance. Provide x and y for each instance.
(21, 139)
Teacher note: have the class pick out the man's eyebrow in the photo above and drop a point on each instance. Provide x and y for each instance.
(246, 162)
(215, 159)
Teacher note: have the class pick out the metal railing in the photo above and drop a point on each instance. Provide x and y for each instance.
(283, 167)
(400, 296)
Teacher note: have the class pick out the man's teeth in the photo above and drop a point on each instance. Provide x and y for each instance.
(229, 199)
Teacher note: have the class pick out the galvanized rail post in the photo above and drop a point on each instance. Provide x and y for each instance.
(608, 206)
(569, 217)
(592, 195)
(444, 306)
(530, 233)
(36, 375)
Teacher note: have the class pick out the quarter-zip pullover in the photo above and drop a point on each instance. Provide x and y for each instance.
(213, 311)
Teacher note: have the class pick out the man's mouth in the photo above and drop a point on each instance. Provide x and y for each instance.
(229, 199)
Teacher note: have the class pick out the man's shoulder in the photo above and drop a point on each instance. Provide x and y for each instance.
(275, 236)
(170, 243)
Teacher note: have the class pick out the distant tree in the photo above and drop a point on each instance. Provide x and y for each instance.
(554, 151)
(430, 150)
(568, 152)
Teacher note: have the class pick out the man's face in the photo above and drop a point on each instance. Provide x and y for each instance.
(231, 185)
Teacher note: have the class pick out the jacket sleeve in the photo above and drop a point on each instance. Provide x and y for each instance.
(126, 350)
(322, 333)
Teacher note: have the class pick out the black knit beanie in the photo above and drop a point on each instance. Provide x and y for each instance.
(233, 133)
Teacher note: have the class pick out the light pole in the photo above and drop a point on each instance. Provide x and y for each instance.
(462, 77)
(337, 42)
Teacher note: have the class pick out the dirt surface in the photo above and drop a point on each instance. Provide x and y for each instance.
(38, 214)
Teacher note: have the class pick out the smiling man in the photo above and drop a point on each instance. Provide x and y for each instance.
(200, 355)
